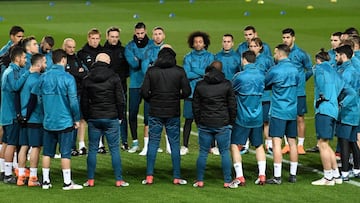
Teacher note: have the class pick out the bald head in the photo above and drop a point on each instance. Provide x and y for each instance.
(102, 57)
(217, 65)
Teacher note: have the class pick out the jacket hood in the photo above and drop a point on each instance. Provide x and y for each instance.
(166, 58)
(100, 72)
(213, 76)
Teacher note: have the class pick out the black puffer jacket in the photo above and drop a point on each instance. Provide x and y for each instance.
(102, 95)
(87, 54)
(76, 69)
(164, 85)
(214, 102)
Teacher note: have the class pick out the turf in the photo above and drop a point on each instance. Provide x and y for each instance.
(75, 18)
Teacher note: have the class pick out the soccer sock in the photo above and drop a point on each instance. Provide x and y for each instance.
(101, 144)
(277, 170)
(146, 142)
(2, 165)
(286, 142)
(81, 144)
(336, 173)
(293, 168)
(262, 167)
(0, 146)
(33, 172)
(269, 143)
(135, 143)
(168, 148)
(67, 176)
(301, 141)
(328, 174)
(21, 172)
(345, 173)
(46, 174)
(8, 168)
(238, 169)
(247, 144)
(15, 163)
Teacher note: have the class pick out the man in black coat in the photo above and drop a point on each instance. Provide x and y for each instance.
(164, 85)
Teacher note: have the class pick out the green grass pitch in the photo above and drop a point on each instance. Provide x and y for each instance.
(74, 18)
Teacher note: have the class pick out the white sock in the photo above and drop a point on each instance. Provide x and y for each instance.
(328, 174)
(269, 143)
(167, 144)
(2, 165)
(0, 147)
(67, 176)
(356, 171)
(46, 174)
(8, 168)
(301, 141)
(262, 167)
(15, 164)
(247, 144)
(238, 169)
(21, 171)
(293, 168)
(33, 172)
(336, 173)
(135, 142)
(345, 174)
(81, 144)
(146, 142)
(277, 170)
(286, 142)
(101, 144)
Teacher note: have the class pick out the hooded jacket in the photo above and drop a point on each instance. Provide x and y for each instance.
(164, 85)
(214, 100)
(102, 95)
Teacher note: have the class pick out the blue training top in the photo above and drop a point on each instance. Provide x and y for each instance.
(230, 62)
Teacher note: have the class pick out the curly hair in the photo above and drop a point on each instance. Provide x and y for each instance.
(204, 35)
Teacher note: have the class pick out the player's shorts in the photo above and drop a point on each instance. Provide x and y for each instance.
(187, 111)
(11, 134)
(347, 132)
(279, 128)
(31, 136)
(324, 126)
(240, 135)
(301, 105)
(266, 108)
(52, 138)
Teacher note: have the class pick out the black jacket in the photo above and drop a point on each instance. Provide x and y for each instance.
(118, 61)
(76, 69)
(102, 95)
(87, 54)
(214, 102)
(164, 85)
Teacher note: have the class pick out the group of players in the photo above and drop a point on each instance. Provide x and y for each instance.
(269, 92)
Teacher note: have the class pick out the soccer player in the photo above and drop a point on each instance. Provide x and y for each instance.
(229, 58)
(77, 69)
(250, 33)
(58, 130)
(302, 62)
(31, 47)
(264, 62)
(194, 63)
(16, 35)
(120, 66)
(328, 87)
(102, 104)
(87, 55)
(283, 79)
(335, 41)
(135, 53)
(31, 134)
(214, 108)
(164, 85)
(158, 36)
(249, 87)
(346, 129)
(13, 79)
(46, 46)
